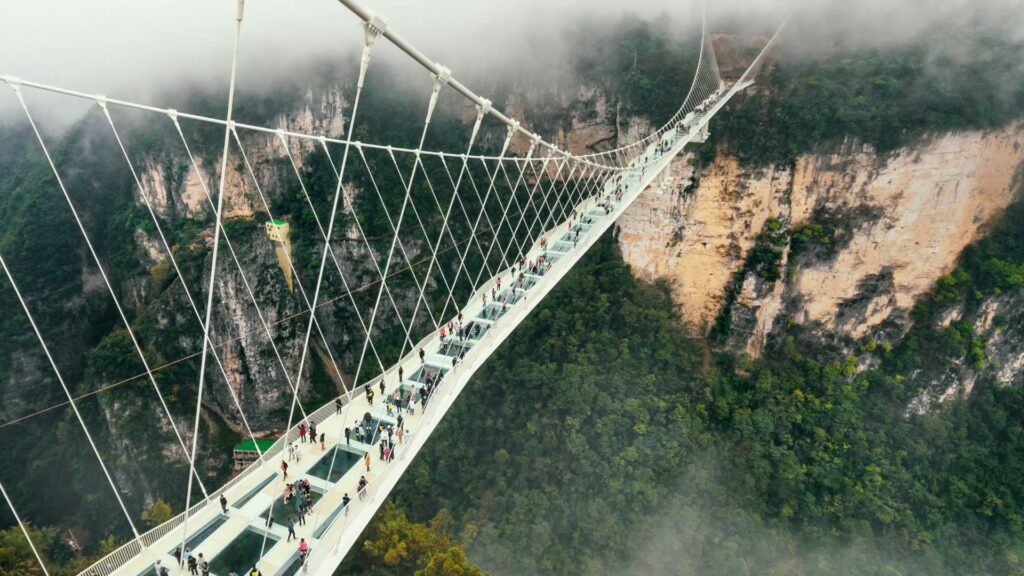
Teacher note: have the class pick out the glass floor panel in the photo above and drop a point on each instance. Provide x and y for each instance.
(454, 348)
(477, 329)
(562, 246)
(509, 296)
(197, 538)
(245, 499)
(344, 459)
(525, 284)
(427, 371)
(492, 312)
(241, 554)
(282, 512)
(367, 430)
(404, 392)
(292, 567)
(542, 268)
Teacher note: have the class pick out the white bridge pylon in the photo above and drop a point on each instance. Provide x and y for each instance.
(529, 217)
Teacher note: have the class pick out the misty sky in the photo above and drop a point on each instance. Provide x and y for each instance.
(135, 49)
(121, 47)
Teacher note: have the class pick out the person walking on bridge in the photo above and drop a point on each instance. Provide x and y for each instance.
(302, 432)
(337, 405)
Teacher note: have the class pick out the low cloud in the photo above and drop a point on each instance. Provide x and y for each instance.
(142, 50)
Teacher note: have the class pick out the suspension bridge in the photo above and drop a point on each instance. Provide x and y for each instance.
(516, 222)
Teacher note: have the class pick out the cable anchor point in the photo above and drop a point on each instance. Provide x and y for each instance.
(373, 28)
(484, 106)
(444, 74)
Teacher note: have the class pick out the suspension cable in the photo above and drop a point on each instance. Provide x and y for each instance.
(213, 273)
(24, 530)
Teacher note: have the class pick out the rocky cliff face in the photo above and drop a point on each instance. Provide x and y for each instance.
(893, 225)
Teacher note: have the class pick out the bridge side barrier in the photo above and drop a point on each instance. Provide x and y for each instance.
(120, 556)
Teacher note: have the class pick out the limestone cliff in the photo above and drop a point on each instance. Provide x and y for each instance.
(902, 219)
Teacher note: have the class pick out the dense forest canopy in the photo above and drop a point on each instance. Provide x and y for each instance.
(621, 445)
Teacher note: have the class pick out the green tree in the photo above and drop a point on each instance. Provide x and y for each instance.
(450, 562)
(158, 513)
(16, 558)
(392, 546)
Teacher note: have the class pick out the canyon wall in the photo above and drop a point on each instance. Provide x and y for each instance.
(905, 218)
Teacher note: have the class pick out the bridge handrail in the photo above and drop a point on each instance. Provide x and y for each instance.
(372, 487)
(114, 560)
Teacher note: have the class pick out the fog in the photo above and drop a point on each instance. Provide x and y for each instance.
(138, 49)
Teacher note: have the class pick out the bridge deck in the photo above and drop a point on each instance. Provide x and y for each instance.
(234, 541)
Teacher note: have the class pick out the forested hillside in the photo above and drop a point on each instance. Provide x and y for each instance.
(616, 444)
